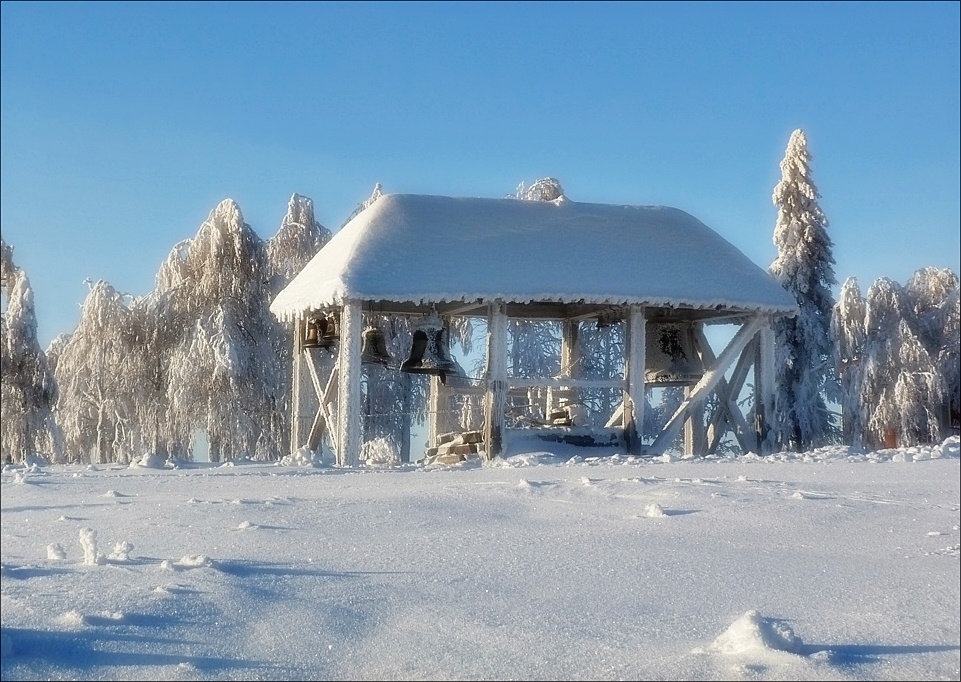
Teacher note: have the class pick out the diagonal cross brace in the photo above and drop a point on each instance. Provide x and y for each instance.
(707, 383)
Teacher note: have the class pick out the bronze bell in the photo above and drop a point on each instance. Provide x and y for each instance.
(327, 332)
(311, 338)
(670, 355)
(429, 352)
(374, 349)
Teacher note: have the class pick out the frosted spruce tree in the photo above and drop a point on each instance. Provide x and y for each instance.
(805, 267)
(28, 389)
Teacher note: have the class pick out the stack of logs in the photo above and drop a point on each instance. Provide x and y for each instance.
(454, 447)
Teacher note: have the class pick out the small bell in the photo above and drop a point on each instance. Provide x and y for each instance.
(311, 338)
(327, 331)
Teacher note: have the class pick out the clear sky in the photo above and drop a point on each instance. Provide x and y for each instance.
(125, 124)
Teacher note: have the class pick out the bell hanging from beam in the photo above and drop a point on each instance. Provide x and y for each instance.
(311, 335)
(671, 357)
(429, 352)
(327, 332)
(374, 348)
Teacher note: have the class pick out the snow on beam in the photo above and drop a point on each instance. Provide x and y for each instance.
(707, 383)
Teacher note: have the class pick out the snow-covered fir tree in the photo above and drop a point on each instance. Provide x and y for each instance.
(805, 267)
(28, 389)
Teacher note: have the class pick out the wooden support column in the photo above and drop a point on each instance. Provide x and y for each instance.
(570, 357)
(437, 409)
(495, 398)
(349, 430)
(295, 428)
(765, 390)
(634, 367)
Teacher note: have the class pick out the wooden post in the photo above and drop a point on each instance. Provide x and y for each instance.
(495, 398)
(634, 367)
(765, 391)
(437, 422)
(570, 357)
(295, 386)
(348, 395)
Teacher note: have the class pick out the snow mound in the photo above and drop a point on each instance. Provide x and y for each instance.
(756, 636)
(150, 460)
(654, 511)
(304, 457)
(951, 447)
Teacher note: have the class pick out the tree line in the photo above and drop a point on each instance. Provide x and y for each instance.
(202, 353)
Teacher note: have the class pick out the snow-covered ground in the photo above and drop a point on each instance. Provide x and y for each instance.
(827, 565)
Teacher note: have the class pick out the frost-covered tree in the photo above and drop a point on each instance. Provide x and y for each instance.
(223, 369)
(805, 267)
(28, 389)
(886, 306)
(297, 241)
(95, 407)
(949, 358)
(849, 335)
(545, 189)
(918, 390)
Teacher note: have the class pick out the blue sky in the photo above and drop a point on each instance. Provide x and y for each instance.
(124, 124)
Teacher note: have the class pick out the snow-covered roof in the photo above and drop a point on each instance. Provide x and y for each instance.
(434, 249)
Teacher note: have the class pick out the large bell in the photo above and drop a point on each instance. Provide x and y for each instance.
(429, 352)
(670, 356)
(374, 348)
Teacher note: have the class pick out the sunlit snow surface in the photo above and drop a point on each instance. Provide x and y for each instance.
(548, 565)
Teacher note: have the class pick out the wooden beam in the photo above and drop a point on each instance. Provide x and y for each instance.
(707, 383)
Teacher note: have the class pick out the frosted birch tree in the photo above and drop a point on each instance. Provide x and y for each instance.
(886, 306)
(849, 335)
(804, 267)
(95, 407)
(28, 389)
(223, 369)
